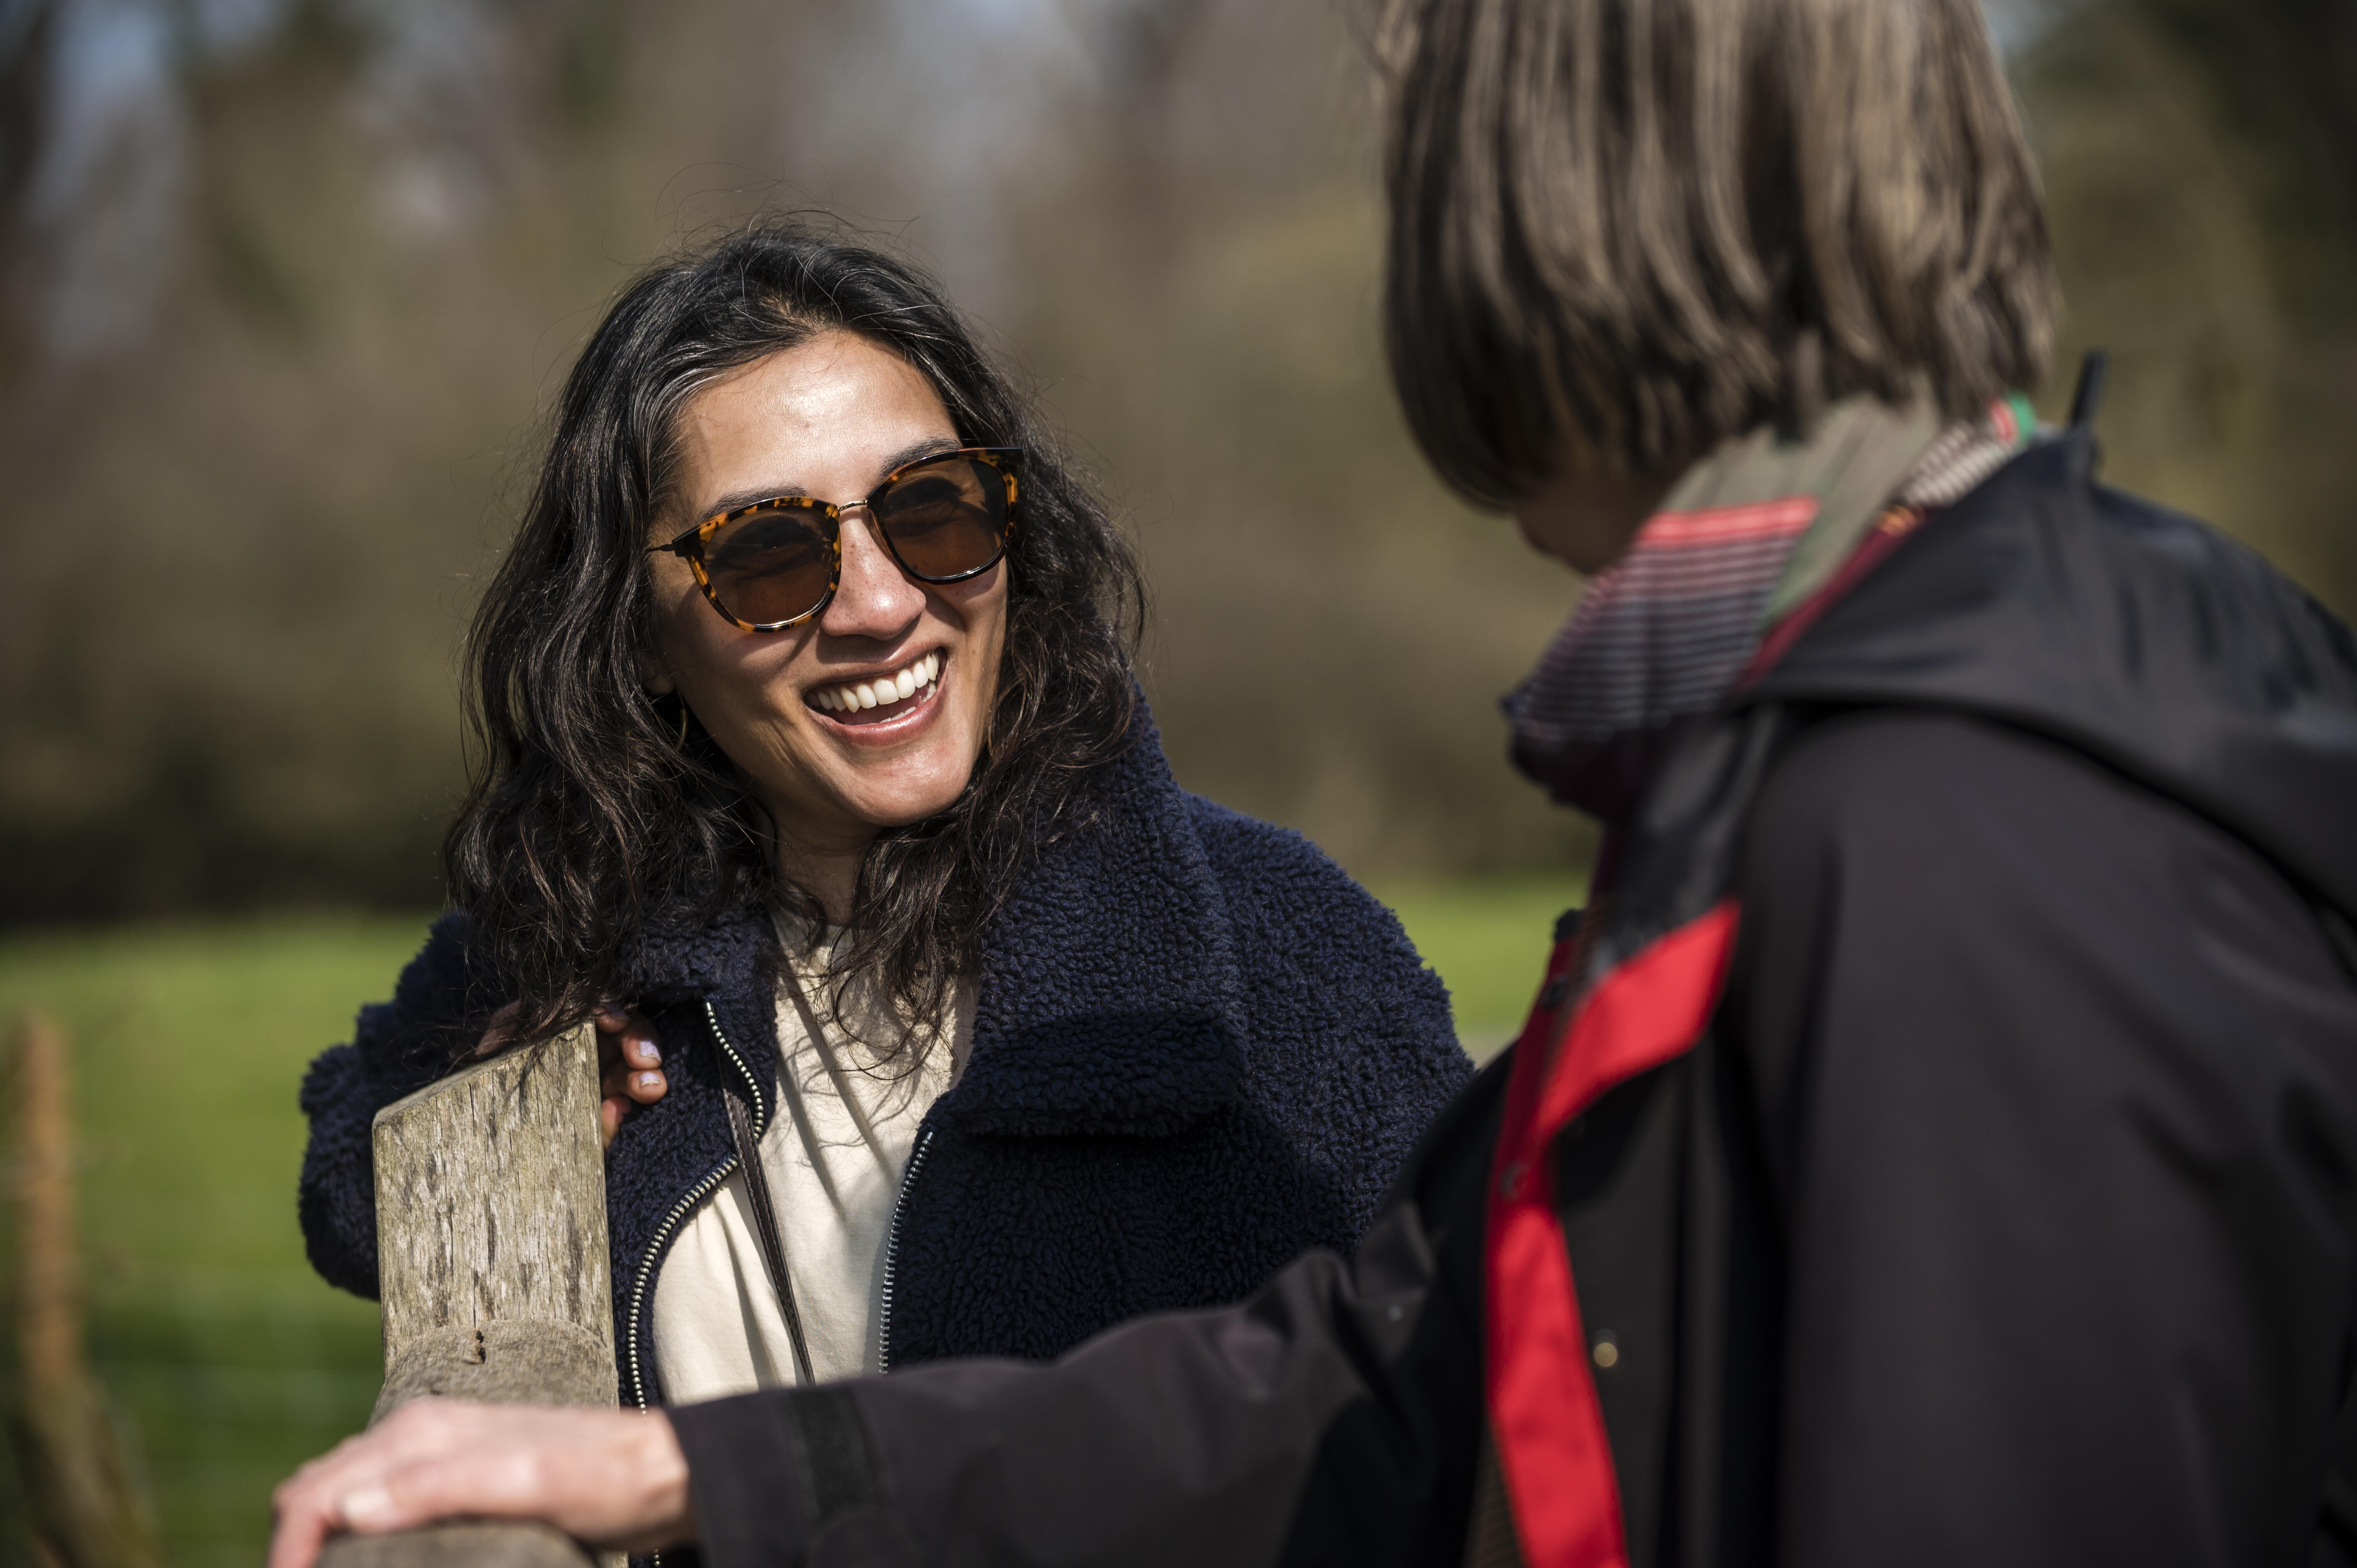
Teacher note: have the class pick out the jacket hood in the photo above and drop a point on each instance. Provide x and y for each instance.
(2138, 635)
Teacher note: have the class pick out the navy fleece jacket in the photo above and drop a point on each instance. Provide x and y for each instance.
(1199, 1050)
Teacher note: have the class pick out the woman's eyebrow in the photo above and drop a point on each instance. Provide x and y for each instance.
(930, 447)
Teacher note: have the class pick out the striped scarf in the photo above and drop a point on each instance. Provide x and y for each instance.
(1750, 535)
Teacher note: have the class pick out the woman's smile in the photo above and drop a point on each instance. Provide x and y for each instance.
(893, 700)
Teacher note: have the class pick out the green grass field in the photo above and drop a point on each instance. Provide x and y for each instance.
(229, 1361)
(1489, 940)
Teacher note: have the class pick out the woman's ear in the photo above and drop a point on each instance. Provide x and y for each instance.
(652, 675)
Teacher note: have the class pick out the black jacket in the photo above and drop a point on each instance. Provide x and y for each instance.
(2005, 1210)
(1199, 1048)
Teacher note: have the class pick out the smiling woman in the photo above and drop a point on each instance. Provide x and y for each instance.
(811, 765)
(871, 712)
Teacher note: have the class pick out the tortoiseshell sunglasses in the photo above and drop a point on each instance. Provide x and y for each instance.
(777, 562)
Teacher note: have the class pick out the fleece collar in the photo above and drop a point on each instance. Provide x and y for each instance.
(1111, 999)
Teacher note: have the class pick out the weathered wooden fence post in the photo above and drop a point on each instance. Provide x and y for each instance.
(490, 1203)
(85, 1508)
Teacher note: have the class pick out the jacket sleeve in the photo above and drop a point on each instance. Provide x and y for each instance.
(397, 1047)
(1332, 1419)
(2057, 1088)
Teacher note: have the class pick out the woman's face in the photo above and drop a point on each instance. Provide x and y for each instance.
(829, 419)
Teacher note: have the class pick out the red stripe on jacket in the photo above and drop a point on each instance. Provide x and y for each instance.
(1541, 1394)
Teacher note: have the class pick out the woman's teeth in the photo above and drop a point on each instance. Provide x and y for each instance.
(883, 690)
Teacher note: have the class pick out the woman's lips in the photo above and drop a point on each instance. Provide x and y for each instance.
(891, 698)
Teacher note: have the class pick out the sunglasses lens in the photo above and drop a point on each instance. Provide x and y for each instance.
(947, 519)
(770, 565)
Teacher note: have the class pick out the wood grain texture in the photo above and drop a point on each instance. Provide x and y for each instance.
(491, 1202)
(490, 1197)
(450, 1545)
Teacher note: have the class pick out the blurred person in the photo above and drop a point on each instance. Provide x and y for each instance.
(1937, 1141)
(937, 1019)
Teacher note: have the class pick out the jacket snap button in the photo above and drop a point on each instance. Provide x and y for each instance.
(1511, 1180)
(1557, 990)
(1607, 1352)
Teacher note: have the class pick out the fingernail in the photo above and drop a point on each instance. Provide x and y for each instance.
(369, 1507)
(650, 1051)
(649, 1081)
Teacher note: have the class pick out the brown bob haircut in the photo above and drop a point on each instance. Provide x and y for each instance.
(1623, 231)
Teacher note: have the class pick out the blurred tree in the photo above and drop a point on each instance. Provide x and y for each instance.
(289, 281)
(2286, 72)
(2201, 162)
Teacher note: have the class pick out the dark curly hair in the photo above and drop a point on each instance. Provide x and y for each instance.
(588, 818)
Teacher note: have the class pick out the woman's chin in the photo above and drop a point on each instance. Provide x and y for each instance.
(902, 786)
(884, 810)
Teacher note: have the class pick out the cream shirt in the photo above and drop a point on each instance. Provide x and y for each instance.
(718, 1327)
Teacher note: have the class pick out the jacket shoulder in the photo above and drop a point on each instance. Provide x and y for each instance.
(440, 1001)
(1952, 854)
(1269, 872)
(1329, 967)
(2140, 636)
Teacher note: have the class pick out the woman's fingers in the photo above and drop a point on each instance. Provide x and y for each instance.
(629, 1067)
(644, 1082)
(644, 1085)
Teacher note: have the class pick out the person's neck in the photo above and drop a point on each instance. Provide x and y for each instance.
(828, 873)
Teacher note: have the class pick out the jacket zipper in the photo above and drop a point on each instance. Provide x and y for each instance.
(685, 1207)
(893, 1253)
(680, 1211)
(760, 1105)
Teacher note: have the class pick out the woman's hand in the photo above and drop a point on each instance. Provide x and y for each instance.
(629, 1067)
(615, 1479)
(630, 1063)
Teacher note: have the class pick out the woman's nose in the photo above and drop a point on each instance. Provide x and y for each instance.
(876, 599)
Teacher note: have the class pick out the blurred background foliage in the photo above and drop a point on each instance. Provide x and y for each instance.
(287, 287)
(291, 283)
